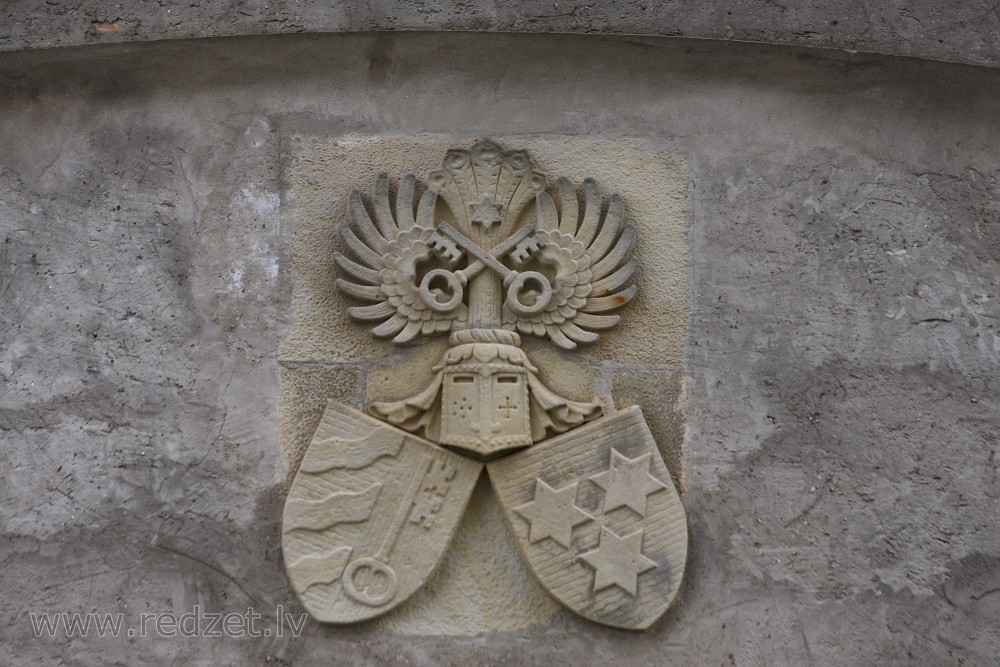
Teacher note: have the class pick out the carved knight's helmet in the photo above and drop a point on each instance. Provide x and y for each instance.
(486, 398)
(484, 394)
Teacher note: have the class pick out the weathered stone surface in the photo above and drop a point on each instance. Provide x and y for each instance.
(569, 374)
(841, 345)
(958, 30)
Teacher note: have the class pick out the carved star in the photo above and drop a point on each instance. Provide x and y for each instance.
(627, 483)
(552, 513)
(618, 561)
(485, 213)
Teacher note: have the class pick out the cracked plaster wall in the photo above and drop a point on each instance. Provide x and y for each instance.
(839, 401)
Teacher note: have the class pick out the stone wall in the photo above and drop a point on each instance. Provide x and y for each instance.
(834, 403)
(954, 30)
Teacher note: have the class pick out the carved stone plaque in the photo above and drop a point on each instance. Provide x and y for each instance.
(483, 253)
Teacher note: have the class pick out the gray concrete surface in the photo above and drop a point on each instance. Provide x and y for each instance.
(954, 30)
(840, 456)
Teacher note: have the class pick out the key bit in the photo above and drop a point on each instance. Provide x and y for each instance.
(526, 248)
(444, 247)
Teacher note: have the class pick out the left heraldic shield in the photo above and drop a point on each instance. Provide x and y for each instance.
(369, 515)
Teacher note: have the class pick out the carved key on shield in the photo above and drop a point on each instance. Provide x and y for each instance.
(370, 580)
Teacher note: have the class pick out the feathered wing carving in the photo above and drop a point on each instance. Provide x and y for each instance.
(383, 271)
(591, 260)
(563, 277)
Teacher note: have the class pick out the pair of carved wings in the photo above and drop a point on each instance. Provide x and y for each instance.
(585, 257)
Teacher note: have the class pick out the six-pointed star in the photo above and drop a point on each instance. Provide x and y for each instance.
(485, 213)
(618, 561)
(627, 482)
(552, 513)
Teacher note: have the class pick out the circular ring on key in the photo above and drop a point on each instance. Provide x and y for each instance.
(370, 582)
(430, 298)
(542, 298)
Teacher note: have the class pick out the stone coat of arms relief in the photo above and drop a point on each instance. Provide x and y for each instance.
(485, 256)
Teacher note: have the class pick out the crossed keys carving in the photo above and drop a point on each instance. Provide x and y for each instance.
(448, 243)
(585, 249)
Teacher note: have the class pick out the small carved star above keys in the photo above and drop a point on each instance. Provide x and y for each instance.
(485, 213)
(552, 513)
(618, 561)
(627, 483)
